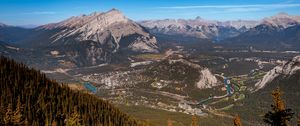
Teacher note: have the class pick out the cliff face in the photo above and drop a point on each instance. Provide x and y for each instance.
(286, 70)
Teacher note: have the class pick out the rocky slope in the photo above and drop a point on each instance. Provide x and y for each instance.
(286, 70)
(287, 78)
(92, 39)
(282, 20)
(12, 34)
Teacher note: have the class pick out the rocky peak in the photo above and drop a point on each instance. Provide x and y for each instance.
(93, 21)
(282, 20)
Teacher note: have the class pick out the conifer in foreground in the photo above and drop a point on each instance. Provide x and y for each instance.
(29, 98)
(279, 116)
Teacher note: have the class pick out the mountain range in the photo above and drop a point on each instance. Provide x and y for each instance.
(105, 37)
(218, 30)
(155, 62)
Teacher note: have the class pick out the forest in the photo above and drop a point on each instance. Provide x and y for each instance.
(28, 97)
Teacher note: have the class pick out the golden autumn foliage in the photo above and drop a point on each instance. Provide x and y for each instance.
(279, 116)
(194, 121)
(237, 121)
(278, 103)
(8, 115)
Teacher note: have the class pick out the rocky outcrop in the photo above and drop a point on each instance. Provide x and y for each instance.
(286, 70)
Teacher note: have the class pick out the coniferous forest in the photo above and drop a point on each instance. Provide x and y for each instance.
(28, 97)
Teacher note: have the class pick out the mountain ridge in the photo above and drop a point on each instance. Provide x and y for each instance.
(92, 39)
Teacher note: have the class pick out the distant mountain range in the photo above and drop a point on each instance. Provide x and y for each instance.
(105, 37)
(280, 30)
(199, 28)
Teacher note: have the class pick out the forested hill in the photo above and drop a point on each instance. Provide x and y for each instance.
(27, 97)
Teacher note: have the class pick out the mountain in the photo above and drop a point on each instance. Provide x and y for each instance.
(279, 32)
(199, 28)
(268, 36)
(92, 39)
(12, 34)
(282, 20)
(29, 98)
(285, 71)
(286, 77)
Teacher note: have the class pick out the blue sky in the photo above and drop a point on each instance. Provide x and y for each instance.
(24, 12)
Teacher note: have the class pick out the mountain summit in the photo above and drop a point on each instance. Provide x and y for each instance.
(282, 19)
(93, 39)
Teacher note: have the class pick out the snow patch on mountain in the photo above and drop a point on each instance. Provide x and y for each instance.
(282, 20)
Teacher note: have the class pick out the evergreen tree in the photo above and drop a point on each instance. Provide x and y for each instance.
(279, 116)
(17, 113)
(26, 123)
(46, 100)
(74, 119)
(298, 121)
(8, 115)
(237, 121)
(194, 121)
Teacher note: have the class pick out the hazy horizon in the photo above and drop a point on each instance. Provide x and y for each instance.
(33, 12)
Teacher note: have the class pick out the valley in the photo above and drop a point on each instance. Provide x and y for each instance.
(171, 69)
(152, 81)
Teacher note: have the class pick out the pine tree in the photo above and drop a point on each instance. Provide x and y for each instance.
(237, 121)
(17, 113)
(48, 102)
(2, 112)
(194, 121)
(26, 123)
(74, 119)
(298, 122)
(53, 123)
(170, 122)
(279, 116)
(8, 115)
